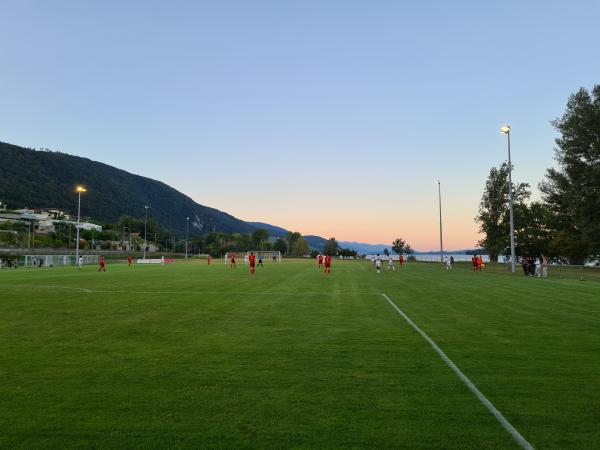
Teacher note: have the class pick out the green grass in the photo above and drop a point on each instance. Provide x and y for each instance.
(194, 356)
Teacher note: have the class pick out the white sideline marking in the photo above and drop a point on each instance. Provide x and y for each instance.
(482, 398)
(30, 286)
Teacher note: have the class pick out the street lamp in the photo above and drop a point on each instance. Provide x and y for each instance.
(187, 225)
(506, 130)
(145, 222)
(79, 190)
(440, 202)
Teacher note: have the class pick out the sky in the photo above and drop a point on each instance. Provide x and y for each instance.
(332, 118)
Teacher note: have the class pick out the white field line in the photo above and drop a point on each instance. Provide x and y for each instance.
(38, 286)
(482, 398)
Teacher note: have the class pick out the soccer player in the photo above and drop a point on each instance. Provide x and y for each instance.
(232, 261)
(101, 264)
(378, 263)
(80, 262)
(129, 260)
(327, 264)
(390, 264)
(319, 260)
(252, 260)
(474, 262)
(479, 263)
(245, 260)
(209, 259)
(401, 259)
(260, 261)
(162, 260)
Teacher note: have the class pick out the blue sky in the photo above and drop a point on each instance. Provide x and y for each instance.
(331, 118)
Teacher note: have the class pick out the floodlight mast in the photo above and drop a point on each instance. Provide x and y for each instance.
(506, 130)
(441, 234)
(79, 190)
(145, 229)
(187, 225)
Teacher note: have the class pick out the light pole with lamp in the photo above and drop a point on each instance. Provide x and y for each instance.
(440, 203)
(187, 226)
(145, 222)
(79, 189)
(506, 130)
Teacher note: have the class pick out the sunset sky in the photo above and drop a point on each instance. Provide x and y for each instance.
(332, 118)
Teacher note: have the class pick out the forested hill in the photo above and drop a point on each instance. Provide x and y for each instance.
(45, 179)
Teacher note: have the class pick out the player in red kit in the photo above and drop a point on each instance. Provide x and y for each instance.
(401, 260)
(102, 265)
(320, 260)
(252, 261)
(232, 261)
(129, 259)
(328, 264)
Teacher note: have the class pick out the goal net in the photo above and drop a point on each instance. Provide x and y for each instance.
(267, 256)
(56, 260)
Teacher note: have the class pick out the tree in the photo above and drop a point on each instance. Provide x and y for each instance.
(400, 247)
(300, 247)
(259, 237)
(572, 191)
(292, 237)
(280, 245)
(494, 215)
(331, 247)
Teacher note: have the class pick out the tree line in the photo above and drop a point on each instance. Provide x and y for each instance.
(565, 223)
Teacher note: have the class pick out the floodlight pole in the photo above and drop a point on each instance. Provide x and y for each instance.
(145, 229)
(506, 130)
(187, 226)
(441, 235)
(80, 189)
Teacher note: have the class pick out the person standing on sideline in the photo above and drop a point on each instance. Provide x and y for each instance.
(80, 263)
(401, 261)
(101, 264)
(378, 263)
(544, 266)
(327, 264)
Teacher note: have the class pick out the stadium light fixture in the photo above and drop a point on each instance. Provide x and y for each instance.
(79, 190)
(441, 235)
(505, 129)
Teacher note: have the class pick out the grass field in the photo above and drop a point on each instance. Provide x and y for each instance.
(189, 355)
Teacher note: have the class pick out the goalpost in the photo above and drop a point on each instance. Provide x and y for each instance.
(56, 260)
(267, 256)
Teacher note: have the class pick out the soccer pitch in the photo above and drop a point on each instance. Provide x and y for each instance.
(190, 355)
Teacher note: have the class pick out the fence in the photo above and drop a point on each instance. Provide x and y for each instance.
(556, 271)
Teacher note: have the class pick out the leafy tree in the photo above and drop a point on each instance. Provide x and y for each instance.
(346, 252)
(331, 247)
(494, 214)
(300, 247)
(400, 247)
(572, 191)
(259, 237)
(280, 245)
(292, 237)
